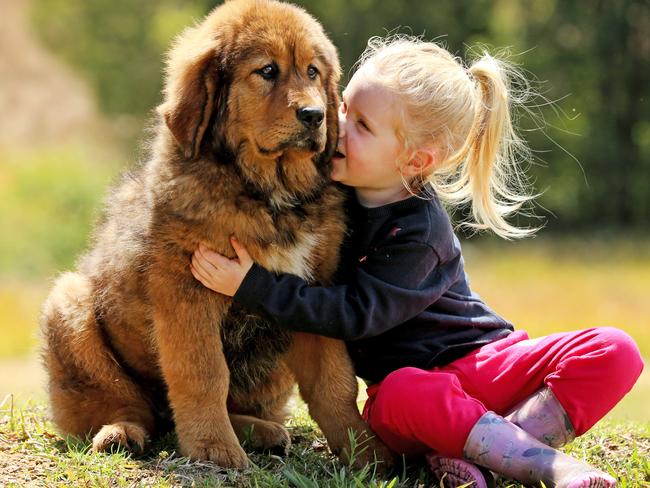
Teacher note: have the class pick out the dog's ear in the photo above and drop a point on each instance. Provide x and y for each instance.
(192, 86)
(332, 91)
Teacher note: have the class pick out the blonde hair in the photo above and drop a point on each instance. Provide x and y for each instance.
(465, 113)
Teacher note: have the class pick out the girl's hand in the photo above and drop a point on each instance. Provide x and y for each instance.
(219, 273)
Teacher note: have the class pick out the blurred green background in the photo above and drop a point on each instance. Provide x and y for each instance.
(79, 80)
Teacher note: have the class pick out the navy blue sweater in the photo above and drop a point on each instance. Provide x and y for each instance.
(401, 299)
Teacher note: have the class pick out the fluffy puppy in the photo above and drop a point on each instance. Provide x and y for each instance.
(243, 143)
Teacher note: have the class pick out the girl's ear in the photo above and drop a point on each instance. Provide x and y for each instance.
(423, 161)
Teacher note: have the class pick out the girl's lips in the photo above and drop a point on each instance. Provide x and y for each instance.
(338, 155)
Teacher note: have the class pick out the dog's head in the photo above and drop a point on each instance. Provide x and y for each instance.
(255, 82)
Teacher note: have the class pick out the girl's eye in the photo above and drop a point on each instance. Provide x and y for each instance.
(268, 72)
(312, 72)
(364, 125)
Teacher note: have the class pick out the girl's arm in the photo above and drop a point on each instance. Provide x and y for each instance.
(389, 287)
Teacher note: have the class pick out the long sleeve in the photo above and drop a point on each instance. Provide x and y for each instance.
(389, 286)
(403, 298)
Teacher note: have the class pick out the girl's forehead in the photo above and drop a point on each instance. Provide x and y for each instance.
(364, 86)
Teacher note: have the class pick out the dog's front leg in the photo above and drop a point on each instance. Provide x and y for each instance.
(325, 376)
(187, 333)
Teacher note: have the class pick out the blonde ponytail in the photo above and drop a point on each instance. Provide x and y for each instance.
(488, 161)
(467, 114)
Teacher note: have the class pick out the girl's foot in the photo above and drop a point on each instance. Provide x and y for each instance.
(458, 472)
(506, 449)
(593, 479)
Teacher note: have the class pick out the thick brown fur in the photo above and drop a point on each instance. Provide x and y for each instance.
(131, 337)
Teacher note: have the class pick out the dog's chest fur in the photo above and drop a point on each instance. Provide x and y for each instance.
(253, 344)
(298, 259)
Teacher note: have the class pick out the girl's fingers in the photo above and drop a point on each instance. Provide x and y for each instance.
(200, 266)
(208, 256)
(219, 261)
(205, 255)
(198, 275)
(214, 258)
(241, 251)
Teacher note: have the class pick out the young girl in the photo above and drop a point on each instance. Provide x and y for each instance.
(447, 375)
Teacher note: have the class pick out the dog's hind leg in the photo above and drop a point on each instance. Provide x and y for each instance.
(89, 391)
(328, 385)
(260, 434)
(257, 417)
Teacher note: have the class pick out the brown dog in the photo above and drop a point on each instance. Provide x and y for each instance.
(247, 128)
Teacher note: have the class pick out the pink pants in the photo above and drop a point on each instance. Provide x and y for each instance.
(414, 411)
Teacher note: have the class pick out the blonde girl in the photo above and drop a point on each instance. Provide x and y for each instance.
(447, 376)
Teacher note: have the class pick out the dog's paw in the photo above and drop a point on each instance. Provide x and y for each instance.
(232, 456)
(128, 435)
(368, 450)
(376, 452)
(265, 435)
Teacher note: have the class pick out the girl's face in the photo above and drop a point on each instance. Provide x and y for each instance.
(368, 146)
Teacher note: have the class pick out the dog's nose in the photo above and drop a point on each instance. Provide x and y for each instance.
(311, 117)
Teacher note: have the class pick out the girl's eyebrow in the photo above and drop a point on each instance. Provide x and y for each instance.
(369, 126)
(366, 120)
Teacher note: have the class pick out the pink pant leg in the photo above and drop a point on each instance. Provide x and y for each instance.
(603, 367)
(589, 371)
(414, 411)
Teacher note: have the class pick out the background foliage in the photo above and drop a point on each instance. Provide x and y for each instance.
(592, 57)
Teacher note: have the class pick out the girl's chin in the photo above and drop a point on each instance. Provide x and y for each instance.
(337, 171)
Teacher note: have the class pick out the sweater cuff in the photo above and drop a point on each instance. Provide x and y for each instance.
(251, 290)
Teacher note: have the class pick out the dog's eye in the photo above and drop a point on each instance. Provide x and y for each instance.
(312, 72)
(268, 72)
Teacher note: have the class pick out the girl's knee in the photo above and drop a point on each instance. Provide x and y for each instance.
(391, 412)
(416, 410)
(621, 351)
(408, 382)
(400, 379)
(407, 392)
(392, 393)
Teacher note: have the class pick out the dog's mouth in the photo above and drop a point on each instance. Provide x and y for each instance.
(309, 144)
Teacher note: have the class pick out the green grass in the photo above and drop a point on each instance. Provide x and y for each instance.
(31, 453)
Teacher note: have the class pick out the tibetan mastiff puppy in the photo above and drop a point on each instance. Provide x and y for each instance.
(242, 146)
